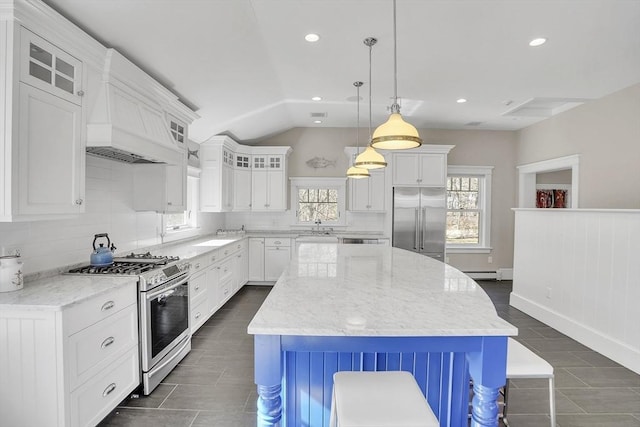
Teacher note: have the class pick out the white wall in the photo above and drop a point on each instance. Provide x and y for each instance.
(606, 135)
(52, 244)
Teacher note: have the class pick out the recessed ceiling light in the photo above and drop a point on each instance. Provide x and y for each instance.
(316, 98)
(317, 121)
(312, 38)
(537, 42)
(461, 101)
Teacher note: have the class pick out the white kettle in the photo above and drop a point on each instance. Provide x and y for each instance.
(10, 273)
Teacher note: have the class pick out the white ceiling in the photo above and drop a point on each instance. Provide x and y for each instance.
(245, 67)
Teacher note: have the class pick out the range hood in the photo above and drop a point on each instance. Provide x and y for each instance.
(126, 124)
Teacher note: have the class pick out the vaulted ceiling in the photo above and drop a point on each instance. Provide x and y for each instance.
(247, 70)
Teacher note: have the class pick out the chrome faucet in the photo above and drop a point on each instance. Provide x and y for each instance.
(317, 223)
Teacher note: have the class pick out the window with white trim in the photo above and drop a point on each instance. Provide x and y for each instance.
(318, 199)
(469, 208)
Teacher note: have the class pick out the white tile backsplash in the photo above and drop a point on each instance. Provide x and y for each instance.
(51, 244)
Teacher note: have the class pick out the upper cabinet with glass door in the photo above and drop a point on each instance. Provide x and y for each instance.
(47, 67)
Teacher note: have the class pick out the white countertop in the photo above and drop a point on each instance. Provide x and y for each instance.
(58, 292)
(374, 290)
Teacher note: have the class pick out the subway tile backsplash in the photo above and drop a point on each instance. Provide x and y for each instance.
(51, 244)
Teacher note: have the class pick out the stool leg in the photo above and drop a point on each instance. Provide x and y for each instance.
(504, 407)
(333, 422)
(552, 402)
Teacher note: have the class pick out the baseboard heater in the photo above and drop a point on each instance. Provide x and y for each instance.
(501, 274)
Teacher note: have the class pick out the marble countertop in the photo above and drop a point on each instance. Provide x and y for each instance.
(58, 292)
(52, 290)
(375, 290)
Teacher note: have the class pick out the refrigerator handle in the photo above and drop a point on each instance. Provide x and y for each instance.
(423, 224)
(415, 231)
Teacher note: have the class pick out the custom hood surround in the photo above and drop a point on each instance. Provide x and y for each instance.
(127, 122)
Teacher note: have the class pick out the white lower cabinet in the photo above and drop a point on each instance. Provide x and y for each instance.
(268, 257)
(215, 278)
(69, 367)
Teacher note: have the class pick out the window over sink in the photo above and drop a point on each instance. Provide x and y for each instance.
(318, 199)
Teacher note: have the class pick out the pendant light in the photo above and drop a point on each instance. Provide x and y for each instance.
(395, 134)
(370, 158)
(354, 171)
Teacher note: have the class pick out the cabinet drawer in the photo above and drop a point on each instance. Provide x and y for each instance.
(97, 397)
(199, 264)
(199, 314)
(225, 290)
(197, 285)
(277, 241)
(226, 270)
(94, 348)
(213, 257)
(94, 310)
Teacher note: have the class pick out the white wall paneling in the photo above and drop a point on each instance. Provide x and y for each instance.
(578, 272)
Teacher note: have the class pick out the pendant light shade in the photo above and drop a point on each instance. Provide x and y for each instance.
(370, 158)
(395, 134)
(354, 171)
(357, 173)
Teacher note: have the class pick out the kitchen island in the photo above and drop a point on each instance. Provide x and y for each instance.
(369, 307)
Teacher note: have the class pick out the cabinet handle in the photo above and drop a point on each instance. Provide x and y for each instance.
(106, 343)
(213, 259)
(108, 305)
(197, 316)
(107, 391)
(80, 93)
(197, 287)
(169, 203)
(277, 242)
(239, 256)
(79, 201)
(197, 265)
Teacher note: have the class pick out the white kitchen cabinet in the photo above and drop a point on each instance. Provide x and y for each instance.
(269, 186)
(419, 170)
(268, 257)
(242, 182)
(160, 187)
(42, 152)
(69, 367)
(368, 194)
(277, 255)
(256, 259)
(240, 265)
(216, 178)
(198, 293)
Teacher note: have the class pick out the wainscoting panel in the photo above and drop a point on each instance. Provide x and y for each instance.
(578, 270)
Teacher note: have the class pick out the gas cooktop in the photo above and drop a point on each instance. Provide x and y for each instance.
(132, 264)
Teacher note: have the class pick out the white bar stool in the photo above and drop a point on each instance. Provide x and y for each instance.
(384, 398)
(523, 363)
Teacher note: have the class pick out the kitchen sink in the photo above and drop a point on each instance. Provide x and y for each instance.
(317, 238)
(216, 242)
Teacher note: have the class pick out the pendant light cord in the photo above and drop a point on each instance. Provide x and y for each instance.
(370, 49)
(395, 107)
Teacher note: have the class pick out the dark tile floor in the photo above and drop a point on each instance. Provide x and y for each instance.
(213, 386)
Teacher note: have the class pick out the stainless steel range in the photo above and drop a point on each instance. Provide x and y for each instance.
(163, 309)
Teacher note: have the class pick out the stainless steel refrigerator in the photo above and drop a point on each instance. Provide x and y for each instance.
(419, 220)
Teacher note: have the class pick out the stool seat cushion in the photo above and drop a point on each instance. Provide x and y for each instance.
(380, 399)
(523, 363)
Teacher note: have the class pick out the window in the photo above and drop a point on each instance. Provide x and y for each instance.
(317, 203)
(469, 208)
(320, 199)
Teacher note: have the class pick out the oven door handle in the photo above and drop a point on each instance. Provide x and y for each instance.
(164, 290)
(169, 360)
